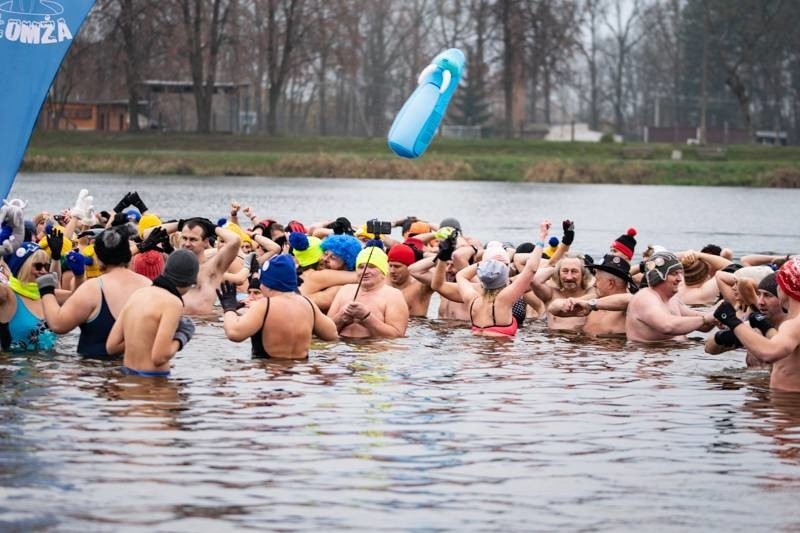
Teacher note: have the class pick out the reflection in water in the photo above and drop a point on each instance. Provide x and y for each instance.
(778, 417)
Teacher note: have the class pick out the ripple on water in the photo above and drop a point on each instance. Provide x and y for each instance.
(439, 430)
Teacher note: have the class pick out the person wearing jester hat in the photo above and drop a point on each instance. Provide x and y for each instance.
(654, 313)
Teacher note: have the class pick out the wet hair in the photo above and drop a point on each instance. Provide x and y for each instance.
(712, 249)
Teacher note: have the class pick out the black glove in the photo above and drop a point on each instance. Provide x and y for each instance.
(760, 322)
(137, 202)
(120, 219)
(153, 240)
(726, 314)
(446, 249)
(55, 241)
(122, 204)
(569, 232)
(184, 332)
(227, 296)
(47, 283)
(726, 337)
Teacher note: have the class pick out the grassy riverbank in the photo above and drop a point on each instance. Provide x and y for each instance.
(447, 159)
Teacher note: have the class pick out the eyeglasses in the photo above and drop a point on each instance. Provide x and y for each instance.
(41, 266)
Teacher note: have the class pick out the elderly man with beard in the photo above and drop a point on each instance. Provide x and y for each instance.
(417, 294)
(569, 279)
(605, 315)
(655, 313)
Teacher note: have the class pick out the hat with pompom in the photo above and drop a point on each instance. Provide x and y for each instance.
(626, 243)
(307, 250)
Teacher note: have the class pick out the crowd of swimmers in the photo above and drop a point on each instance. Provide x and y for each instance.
(134, 284)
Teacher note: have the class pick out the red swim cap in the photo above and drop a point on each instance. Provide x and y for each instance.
(402, 253)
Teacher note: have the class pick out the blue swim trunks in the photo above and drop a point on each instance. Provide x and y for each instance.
(144, 373)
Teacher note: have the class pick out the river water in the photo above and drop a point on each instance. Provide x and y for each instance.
(436, 431)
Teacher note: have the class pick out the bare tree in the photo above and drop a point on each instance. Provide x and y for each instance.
(741, 33)
(511, 18)
(205, 25)
(284, 30)
(593, 13)
(623, 23)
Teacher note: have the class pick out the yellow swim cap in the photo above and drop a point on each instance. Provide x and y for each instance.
(148, 221)
(93, 270)
(66, 247)
(307, 250)
(362, 232)
(237, 229)
(378, 259)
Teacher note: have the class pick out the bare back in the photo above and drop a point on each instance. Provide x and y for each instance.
(149, 317)
(288, 325)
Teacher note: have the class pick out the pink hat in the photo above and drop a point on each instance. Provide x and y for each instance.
(494, 250)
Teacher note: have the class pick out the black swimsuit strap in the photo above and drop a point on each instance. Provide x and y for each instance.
(266, 312)
(313, 313)
(471, 305)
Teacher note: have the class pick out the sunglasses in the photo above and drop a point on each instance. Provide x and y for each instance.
(41, 266)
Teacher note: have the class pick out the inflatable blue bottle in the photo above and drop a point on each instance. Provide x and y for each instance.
(416, 123)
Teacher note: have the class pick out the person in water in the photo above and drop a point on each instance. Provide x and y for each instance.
(374, 309)
(150, 329)
(417, 294)
(781, 348)
(491, 309)
(96, 304)
(196, 236)
(280, 324)
(605, 315)
(22, 324)
(655, 313)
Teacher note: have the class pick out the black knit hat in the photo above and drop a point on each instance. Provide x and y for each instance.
(181, 268)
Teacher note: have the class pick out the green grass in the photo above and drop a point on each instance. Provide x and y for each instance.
(487, 159)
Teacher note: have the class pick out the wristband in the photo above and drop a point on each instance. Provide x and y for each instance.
(540, 244)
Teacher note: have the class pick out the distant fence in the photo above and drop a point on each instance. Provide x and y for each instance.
(461, 132)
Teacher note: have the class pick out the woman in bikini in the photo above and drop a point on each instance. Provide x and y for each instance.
(491, 306)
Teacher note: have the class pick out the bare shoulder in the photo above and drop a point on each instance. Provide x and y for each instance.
(389, 292)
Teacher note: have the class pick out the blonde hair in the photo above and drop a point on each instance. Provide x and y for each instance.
(491, 294)
(39, 256)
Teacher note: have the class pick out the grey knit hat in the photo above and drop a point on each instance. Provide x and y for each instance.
(181, 268)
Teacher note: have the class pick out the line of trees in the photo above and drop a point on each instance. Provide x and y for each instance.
(344, 67)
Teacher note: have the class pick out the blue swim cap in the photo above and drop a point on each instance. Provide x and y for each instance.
(133, 214)
(345, 247)
(279, 273)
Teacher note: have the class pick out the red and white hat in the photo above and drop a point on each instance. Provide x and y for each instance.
(626, 243)
(788, 278)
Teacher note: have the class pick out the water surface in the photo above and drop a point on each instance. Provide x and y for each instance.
(436, 431)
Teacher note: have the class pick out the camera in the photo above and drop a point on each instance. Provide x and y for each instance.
(379, 227)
